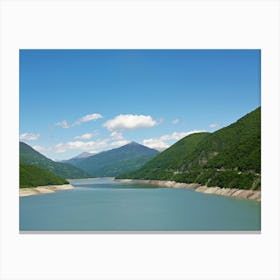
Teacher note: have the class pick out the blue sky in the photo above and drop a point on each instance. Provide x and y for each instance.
(73, 101)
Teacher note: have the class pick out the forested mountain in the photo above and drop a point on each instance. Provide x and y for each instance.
(33, 176)
(170, 160)
(114, 162)
(229, 157)
(78, 158)
(29, 156)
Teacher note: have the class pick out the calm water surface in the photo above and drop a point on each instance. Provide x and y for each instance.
(106, 205)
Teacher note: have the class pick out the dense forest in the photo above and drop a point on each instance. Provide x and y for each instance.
(29, 156)
(33, 176)
(229, 157)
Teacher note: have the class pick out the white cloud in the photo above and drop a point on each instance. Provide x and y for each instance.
(178, 135)
(116, 139)
(116, 135)
(63, 124)
(119, 143)
(123, 122)
(86, 136)
(80, 145)
(160, 143)
(87, 118)
(29, 136)
(41, 148)
(154, 143)
(214, 125)
(176, 121)
(92, 146)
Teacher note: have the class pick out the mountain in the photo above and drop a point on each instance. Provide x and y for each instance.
(33, 176)
(170, 160)
(111, 163)
(84, 155)
(29, 156)
(229, 157)
(78, 158)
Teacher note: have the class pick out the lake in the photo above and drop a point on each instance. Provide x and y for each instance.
(106, 205)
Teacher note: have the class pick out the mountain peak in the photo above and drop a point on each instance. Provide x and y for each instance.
(133, 143)
(234, 150)
(117, 161)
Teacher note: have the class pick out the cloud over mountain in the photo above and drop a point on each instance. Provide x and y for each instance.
(80, 145)
(160, 143)
(214, 125)
(29, 136)
(155, 143)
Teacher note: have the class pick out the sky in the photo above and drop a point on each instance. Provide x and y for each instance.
(74, 101)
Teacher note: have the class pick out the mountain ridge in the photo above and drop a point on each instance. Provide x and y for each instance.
(229, 157)
(30, 156)
(84, 155)
(113, 162)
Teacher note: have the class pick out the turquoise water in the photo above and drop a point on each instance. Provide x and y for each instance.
(106, 205)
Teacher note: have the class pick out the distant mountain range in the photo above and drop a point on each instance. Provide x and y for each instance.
(77, 158)
(80, 156)
(84, 155)
(36, 169)
(114, 162)
(229, 157)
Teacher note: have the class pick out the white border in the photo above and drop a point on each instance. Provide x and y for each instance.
(140, 24)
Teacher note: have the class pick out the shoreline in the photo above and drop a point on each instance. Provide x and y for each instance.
(230, 192)
(44, 189)
(91, 178)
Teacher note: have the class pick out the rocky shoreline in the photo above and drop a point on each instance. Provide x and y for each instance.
(43, 189)
(237, 193)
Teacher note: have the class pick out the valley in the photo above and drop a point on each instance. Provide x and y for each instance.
(226, 159)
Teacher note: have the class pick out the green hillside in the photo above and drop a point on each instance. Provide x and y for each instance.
(171, 160)
(229, 157)
(114, 162)
(29, 156)
(32, 176)
(236, 146)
